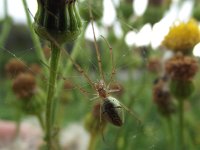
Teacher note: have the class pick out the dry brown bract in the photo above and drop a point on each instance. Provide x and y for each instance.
(14, 67)
(162, 98)
(181, 67)
(154, 65)
(24, 85)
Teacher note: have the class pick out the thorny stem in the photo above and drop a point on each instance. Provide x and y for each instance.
(181, 125)
(34, 37)
(50, 96)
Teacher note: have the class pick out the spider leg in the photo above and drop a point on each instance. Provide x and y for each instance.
(114, 90)
(94, 98)
(113, 72)
(96, 47)
(77, 66)
(132, 113)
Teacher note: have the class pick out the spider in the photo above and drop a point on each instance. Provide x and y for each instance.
(110, 108)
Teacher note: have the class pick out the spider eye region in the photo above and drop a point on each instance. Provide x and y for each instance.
(112, 111)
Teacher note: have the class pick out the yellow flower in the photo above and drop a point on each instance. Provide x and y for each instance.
(182, 37)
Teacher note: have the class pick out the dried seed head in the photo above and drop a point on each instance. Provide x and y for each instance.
(154, 65)
(35, 69)
(24, 86)
(181, 67)
(47, 51)
(162, 98)
(14, 67)
(68, 85)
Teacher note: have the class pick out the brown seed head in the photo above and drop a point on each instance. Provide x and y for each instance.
(15, 67)
(24, 85)
(68, 85)
(181, 67)
(162, 98)
(47, 51)
(154, 65)
(35, 69)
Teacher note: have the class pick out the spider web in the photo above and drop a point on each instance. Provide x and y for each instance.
(134, 134)
(131, 135)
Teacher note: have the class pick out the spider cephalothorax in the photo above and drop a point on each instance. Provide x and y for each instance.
(101, 89)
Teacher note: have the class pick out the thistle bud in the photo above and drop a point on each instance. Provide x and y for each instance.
(57, 20)
(126, 8)
(196, 11)
(181, 89)
(96, 7)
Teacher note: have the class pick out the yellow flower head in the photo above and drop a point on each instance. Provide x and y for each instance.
(182, 37)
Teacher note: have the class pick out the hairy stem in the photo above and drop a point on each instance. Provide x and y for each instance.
(55, 53)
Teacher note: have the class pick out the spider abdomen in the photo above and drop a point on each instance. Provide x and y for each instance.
(113, 111)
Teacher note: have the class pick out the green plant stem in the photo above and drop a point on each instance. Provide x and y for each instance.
(5, 30)
(6, 8)
(55, 53)
(171, 135)
(6, 26)
(34, 37)
(41, 121)
(18, 124)
(92, 142)
(181, 125)
(75, 52)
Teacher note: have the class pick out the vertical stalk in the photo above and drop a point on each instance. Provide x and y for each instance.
(41, 121)
(171, 135)
(6, 8)
(181, 125)
(6, 25)
(55, 53)
(92, 142)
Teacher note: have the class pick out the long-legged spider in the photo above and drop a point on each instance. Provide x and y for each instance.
(110, 108)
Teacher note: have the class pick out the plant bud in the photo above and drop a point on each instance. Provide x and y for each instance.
(57, 20)
(181, 89)
(96, 7)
